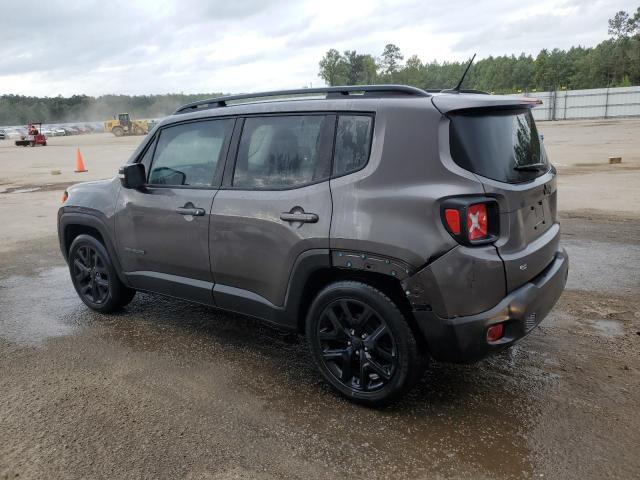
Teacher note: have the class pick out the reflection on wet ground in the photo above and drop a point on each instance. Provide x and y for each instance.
(36, 308)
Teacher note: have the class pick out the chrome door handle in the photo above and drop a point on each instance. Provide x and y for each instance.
(195, 212)
(299, 217)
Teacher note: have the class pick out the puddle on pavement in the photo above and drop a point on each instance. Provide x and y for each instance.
(35, 308)
(23, 190)
(46, 187)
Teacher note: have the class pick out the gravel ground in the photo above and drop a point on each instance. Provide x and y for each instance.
(166, 389)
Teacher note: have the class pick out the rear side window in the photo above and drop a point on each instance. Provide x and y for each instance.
(284, 151)
(353, 143)
(501, 145)
(188, 154)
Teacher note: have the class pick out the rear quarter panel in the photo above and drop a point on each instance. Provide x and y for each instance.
(391, 206)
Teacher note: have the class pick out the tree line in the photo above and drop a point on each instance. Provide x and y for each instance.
(18, 109)
(615, 62)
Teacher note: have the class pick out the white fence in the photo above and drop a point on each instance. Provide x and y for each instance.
(594, 103)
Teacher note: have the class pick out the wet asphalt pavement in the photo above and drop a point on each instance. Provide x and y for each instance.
(167, 389)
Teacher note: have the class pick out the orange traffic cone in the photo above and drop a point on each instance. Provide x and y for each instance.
(79, 162)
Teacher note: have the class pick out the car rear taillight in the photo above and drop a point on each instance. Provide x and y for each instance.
(477, 221)
(471, 220)
(452, 217)
(65, 196)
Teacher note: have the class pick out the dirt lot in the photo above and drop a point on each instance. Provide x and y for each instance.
(171, 390)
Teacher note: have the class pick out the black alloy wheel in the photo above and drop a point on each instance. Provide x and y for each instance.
(357, 346)
(362, 343)
(91, 274)
(95, 277)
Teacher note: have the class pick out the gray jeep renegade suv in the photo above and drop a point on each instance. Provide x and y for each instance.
(388, 224)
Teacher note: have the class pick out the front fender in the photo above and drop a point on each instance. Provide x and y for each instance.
(84, 217)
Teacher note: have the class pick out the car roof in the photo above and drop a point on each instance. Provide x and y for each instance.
(362, 98)
(344, 98)
(298, 106)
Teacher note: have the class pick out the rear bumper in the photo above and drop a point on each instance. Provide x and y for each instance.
(463, 339)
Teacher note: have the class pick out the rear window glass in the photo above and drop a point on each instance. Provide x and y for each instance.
(353, 141)
(501, 145)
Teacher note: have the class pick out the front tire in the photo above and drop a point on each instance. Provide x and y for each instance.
(362, 344)
(118, 131)
(94, 276)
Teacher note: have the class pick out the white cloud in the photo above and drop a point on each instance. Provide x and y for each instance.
(143, 47)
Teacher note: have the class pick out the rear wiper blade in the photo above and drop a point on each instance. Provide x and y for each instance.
(532, 167)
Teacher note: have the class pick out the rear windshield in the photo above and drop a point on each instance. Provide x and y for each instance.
(503, 145)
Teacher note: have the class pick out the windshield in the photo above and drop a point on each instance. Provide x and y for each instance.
(503, 145)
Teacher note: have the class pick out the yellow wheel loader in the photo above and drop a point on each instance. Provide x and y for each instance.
(123, 125)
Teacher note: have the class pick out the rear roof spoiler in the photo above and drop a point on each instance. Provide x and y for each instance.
(448, 103)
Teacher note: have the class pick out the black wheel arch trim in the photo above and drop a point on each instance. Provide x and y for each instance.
(306, 264)
(288, 315)
(68, 216)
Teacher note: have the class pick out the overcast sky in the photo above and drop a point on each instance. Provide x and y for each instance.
(141, 47)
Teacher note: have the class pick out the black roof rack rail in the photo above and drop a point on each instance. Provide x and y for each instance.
(331, 92)
(449, 90)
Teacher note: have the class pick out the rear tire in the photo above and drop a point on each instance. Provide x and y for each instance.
(94, 276)
(362, 344)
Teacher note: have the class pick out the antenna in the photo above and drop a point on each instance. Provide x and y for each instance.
(457, 88)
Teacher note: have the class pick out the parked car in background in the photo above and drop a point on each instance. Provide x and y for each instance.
(59, 132)
(10, 133)
(3, 135)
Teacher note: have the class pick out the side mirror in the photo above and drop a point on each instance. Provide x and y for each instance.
(132, 175)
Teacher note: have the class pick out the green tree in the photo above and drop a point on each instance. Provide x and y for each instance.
(622, 25)
(412, 72)
(613, 62)
(333, 68)
(17, 109)
(360, 69)
(390, 59)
